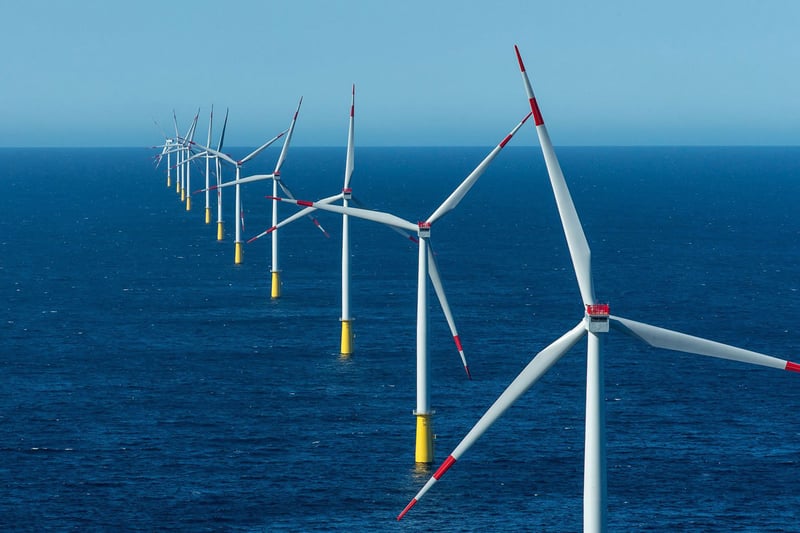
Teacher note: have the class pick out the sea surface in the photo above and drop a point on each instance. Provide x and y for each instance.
(149, 384)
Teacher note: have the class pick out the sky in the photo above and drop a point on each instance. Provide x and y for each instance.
(427, 73)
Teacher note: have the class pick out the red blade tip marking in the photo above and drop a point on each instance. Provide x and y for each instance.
(450, 461)
(519, 59)
(458, 343)
(411, 504)
(305, 203)
(792, 367)
(537, 115)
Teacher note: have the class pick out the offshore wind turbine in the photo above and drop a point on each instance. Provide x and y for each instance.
(423, 412)
(237, 182)
(275, 176)
(593, 324)
(346, 344)
(218, 167)
(208, 158)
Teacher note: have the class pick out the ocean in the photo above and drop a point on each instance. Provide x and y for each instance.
(150, 384)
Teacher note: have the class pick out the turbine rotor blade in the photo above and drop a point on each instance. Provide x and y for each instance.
(367, 214)
(288, 139)
(436, 280)
(538, 366)
(350, 161)
(222, 136)
(681, 342)
(258, 150)
(576, 240)
(458, 194)
(300, 214)
(312, 218)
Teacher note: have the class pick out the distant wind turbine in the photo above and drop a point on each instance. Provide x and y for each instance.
(423, 412)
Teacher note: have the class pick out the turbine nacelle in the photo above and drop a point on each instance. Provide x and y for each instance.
(424, 229)
(597, 318)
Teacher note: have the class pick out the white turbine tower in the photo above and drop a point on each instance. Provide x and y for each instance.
(595, 322)
(423, 412)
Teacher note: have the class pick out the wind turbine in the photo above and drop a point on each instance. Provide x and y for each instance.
(218, 166)
(423, 413)
(237, 182)
(346, 345)
(595, 322)
(188, 141)
(275, 176)
(208, 158)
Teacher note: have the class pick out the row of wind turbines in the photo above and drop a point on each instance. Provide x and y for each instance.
(596, 321)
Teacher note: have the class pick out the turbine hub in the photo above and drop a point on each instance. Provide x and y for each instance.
(347, 193)
(424, 229)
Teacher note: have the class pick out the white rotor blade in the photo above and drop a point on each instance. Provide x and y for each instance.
(538, 366)
(312, 218)
(404, 233)
(436, 280)
(288, 139)
(681, 342)
(367, 214)
(217, 153)
(350, 161)
(576, 240)
(242, 181)
(258, 150)
(300, 214)
(175, 123)
(456, 196)
(210, 124)
(222, 135)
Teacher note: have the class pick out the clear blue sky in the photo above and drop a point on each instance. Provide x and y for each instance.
(97, 73)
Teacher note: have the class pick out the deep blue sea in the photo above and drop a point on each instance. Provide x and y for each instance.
(148, 383)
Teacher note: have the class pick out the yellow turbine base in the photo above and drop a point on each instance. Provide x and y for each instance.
(237, 256)
(183, 195)
(208, 215)
(178, 186)
(188, 203)
(169, 183)
(347, 338)
(276, 284)
(220, 231)
(424, 449)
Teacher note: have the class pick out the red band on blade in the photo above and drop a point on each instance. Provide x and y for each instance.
(305, 203)
(411, 504)
(315, 221)
(792, 367)
(445, 466)
(537, 115)
(505, 141)
(519, 59)
(458, 343)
